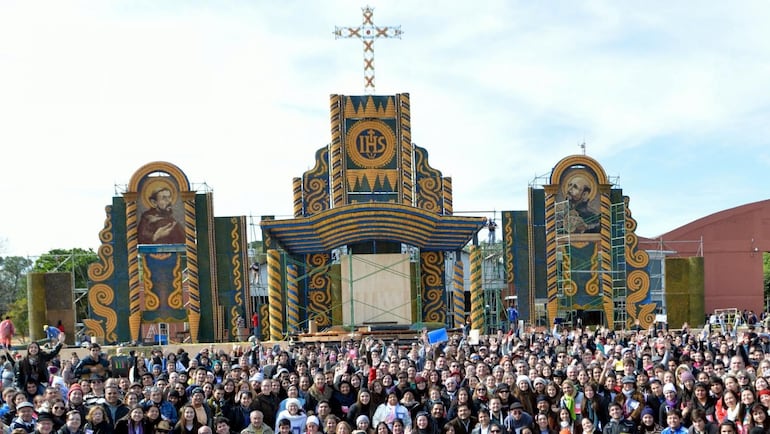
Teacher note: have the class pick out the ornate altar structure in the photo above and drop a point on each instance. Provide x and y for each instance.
(373, 232)
(167, 262)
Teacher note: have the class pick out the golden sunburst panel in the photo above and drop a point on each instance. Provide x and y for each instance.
(159, 166)
(369, 109)
(385, 177)
(578, 160)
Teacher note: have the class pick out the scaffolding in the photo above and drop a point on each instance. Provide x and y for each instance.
(569, 266)
(493, 285)
(618, 253)
(564, 266)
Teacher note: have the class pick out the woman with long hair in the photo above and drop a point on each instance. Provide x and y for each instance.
(759, 422)
(701, 400)
(152, 415)
(33, 367)
(594, 406)
(133, 422)
(377, 392)
(362, 406)
(567, 423)
(731, 410)
(188, 422)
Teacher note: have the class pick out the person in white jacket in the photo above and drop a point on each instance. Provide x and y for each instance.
(294, 415)
(391, 410)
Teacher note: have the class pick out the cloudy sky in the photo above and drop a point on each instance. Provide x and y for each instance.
(672, 98)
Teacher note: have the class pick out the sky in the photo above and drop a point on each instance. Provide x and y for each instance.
(672, 98)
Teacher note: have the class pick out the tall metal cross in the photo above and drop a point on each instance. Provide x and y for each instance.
(368, 33)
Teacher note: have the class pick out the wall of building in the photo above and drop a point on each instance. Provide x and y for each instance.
(733, 242)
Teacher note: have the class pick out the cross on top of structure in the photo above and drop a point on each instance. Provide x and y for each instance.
(368, 33)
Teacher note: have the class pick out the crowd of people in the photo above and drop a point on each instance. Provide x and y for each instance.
(559, 381)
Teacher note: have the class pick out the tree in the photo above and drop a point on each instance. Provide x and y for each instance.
(13, 281)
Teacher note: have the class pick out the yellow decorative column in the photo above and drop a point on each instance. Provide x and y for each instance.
(477, 292)
(458, 295)
(292, 298)
(36, 305)
(275, 294)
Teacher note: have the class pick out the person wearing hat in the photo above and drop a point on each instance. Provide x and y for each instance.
(672, 401)
(44, 424)
(313, 425)
(75, 401)
(24, 417)
(95, 363)
(503, 393)
(96, 382)
(631, 400)
(163, 427)
(649, 423)
(517, 418)
(655, 398)
(202, 410)
(525, 394)
(293, 414)
(543, 407)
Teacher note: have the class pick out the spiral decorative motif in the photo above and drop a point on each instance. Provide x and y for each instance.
(175, 299)
(105, 235)
(432, 271)
(638, 281)
(510, 276)
(264, 320)
(458, 295)
(319, 302)
(428, 182)
(316, 196)
(428, 199)
(151, 300)
(100, 296)
(234, 314)
(274, 291)
(102, 270)
(319, 289)
(477, 293)
(292, 298)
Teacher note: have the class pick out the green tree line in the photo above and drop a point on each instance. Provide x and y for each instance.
(13, 281)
